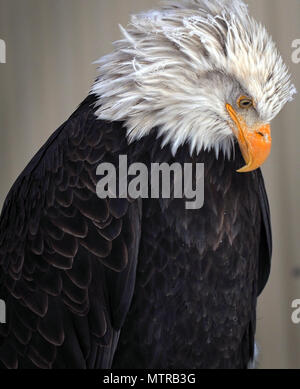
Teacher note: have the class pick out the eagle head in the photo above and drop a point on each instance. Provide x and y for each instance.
(202, 72)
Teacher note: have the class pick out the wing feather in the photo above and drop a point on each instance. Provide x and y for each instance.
(265, 250)
(67, 258)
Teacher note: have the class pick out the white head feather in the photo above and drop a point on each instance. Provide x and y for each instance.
(177, 67)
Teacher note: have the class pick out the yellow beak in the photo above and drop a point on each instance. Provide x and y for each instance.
(255, 143)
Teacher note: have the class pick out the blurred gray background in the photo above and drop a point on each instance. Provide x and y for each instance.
(51, 45)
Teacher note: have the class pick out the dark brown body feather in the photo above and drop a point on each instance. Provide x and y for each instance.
(92, 283)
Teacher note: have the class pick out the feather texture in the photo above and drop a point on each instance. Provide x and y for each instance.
(178, 66)
(92, 283)
(53, 266)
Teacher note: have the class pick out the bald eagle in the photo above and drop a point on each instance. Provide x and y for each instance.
(122, 282)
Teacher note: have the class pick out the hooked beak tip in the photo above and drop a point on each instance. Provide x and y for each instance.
(255, 143)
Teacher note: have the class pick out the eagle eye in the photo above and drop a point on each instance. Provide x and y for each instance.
(245, 102)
